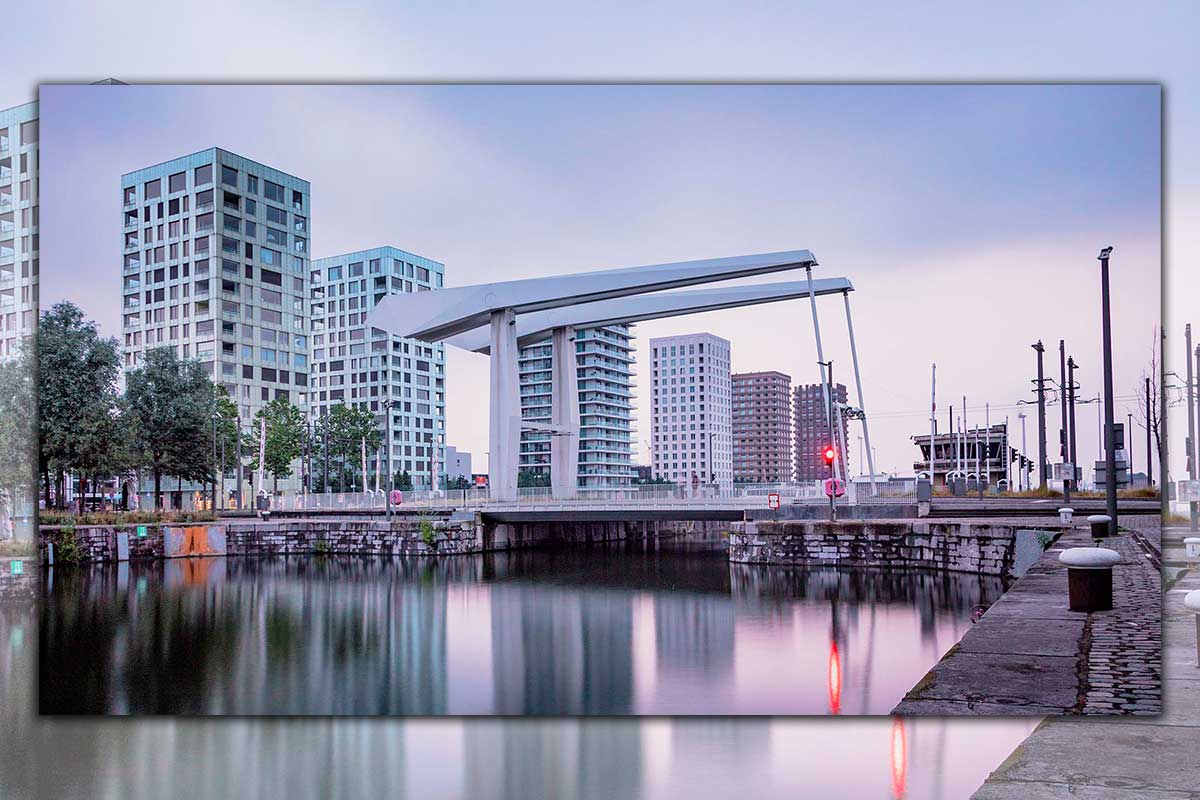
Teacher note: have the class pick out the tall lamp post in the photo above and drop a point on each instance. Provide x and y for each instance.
(1110, 456)
(387, 456)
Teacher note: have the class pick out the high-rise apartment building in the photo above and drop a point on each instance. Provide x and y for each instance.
(605, 359)
(216, 265)
(762, 427)
(357, 365)
(691, 396)
(811, 428)
(18, 226)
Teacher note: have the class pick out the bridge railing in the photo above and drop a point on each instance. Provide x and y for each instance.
(758, 495)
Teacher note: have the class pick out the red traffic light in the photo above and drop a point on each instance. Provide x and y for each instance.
(829, 454)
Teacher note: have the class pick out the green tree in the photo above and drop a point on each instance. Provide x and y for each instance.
(527, 478)
(343, 430)
(77, 398)
(403, 481)
(284, 441)
(170, 403)
(18, 434)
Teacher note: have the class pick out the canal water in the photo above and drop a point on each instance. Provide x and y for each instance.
(614, 630)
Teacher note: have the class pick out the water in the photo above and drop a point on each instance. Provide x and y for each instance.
(339, 758)
(597, 631)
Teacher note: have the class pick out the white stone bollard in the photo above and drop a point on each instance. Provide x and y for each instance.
(1065, 514)
(1192, 602)
(1192, 546)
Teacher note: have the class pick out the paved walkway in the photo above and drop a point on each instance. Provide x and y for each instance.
(1031, 655)
(1147, 758)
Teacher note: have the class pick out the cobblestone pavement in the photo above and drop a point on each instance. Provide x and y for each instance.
(1124, 649)
(1154, 758)
(1030, 654)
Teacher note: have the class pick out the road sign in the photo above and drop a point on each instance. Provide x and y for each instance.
(141, 531)
(834, 487)
(1187, 491)
(773, 500)
(17, 568)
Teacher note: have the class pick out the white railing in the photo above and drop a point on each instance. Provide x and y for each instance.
(759, 495)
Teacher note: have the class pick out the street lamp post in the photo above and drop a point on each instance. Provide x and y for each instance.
(1110, 456)
(387, 456)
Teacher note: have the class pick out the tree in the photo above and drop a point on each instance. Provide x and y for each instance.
(343, 430)
(77, 400)
(1148, 414)
(527, 478)
(403, 481)
(18, 435)
(169, 406)
(284, 441)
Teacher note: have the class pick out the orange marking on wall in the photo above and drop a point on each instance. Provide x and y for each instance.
(195, 542)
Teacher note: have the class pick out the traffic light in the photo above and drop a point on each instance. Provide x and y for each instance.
(829, 454)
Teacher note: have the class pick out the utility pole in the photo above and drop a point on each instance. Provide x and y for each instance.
(1190, 449)
(1022, 481)
(1071, 436)
(932, 430)
(1063, 450)
(240, 476)
(1041, 393)
(1149, 452)
(1110, 455)
(1129, 445)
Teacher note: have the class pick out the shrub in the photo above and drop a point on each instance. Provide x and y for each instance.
(427, 532)
(52, 517)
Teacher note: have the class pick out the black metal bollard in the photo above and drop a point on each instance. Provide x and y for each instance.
(1099, 523)
(1089, 577)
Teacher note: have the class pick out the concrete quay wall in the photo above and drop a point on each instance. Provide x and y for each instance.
(438, 535)
(977, 547)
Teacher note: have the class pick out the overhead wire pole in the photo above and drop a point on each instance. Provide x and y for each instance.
(932, 430)
(1023, 474)
(826, 386)
(1041, 403)
(858, 387)
(1110, 455)
(1064, 431)
(1191, 418)
(1071, 436)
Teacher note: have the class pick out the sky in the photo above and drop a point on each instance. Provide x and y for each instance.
(967, 217)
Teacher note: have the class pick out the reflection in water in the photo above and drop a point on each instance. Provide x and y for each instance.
(575, 632)
(480, 759)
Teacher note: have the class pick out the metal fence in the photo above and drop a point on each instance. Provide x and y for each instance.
(759, 495)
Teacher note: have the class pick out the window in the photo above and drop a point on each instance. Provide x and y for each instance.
(204, 199)
(297, 200)
(276, 215)
(152, 189)
(252, 184)
(276, 236)
(29, 132)
(203, 175)
(273, 191)
(268, 256)
(130, 193)
(301, 226)
(228, 175)
(177, 182)
(271, 277)
(270, 296)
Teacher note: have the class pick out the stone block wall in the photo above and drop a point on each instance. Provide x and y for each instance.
(19, 589)
(356, 537)
(983, 548)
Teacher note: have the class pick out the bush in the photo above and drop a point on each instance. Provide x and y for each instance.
(427, 532)
(51, 517)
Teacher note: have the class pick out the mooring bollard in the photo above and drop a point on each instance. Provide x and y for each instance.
(1191, 546)
(1089, 577)
(1099, 523)
(1065, 514)
(1192, 602)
